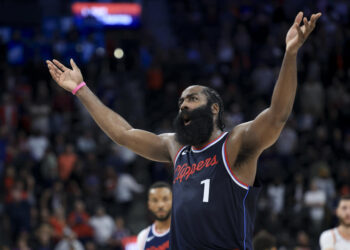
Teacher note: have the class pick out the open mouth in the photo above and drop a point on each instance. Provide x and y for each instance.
(186, 119)
(187, 122)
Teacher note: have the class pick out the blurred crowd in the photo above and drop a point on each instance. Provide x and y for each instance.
(64, 183)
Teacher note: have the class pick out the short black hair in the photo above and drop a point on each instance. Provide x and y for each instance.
(345, 197)
(214, 97)
(264, 241)
(160, 184)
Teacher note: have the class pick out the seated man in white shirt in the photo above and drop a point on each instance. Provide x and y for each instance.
(156, 236)
(338, 238)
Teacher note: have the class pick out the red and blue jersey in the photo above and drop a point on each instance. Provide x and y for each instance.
(150, 239)
(212, 208)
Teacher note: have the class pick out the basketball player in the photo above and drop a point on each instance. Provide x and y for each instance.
(264, 241)
(156, 236)
(214, 171)
(338, 238)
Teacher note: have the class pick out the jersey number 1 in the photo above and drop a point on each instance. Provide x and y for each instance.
(206, 190)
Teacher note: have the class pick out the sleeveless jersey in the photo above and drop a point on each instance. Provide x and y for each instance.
(149, 239)
(332, 239)
(212, 208)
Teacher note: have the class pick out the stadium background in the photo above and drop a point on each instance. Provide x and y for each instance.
(54, 160)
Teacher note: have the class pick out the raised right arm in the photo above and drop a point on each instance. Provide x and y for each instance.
(146, 144)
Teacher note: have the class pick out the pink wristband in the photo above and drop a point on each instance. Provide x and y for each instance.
(82, 84)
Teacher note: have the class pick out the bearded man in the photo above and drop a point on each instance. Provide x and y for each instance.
(338, 238)
(214, 188)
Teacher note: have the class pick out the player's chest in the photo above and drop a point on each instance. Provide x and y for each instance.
(157, 243)
(342, 245)
(192, 166)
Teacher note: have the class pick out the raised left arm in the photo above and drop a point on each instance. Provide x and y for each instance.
(264, 130)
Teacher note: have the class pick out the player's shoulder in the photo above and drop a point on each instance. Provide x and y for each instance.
(242, 126)
(173, 145)
(141, 238)
(327, 233)
(237, 131)
(169, 138)
(144, 231)
(327, 238)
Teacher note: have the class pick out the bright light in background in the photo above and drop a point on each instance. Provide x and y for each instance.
(118, 53)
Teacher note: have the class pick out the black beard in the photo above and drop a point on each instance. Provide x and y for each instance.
(200, 128)
(342, 222)
(162, 218)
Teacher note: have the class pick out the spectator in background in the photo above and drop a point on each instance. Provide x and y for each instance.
(276, 194)
(22, 243)
(43, 240)
(86, 143)
(286, 145)
(59, 144)
(263, 79)
(119, 234)
(298, 192)
(37, 144)
(78, 221)
(40, 109)
(312, 98)
(66, 162)
(124, 191)
(9, 181)
(103, 226)
(325, 182)
(315, 201)
(69, 241)
(62, 107)
(91, 246)
(303, 241)
(58, 223)
(264, 241)
(44, 216)
(15, 49)
(8, 112)
(3, 147)
(109, 185)
(234, 116)
(49, 168)
(18, 208)
(55, 198)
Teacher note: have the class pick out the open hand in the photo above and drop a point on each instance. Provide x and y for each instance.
(65, 77)
(297, 35)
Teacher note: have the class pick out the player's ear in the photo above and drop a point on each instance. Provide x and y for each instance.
(215, 108)
(337, 211)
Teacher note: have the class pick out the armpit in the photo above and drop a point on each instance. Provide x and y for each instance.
(245, 153)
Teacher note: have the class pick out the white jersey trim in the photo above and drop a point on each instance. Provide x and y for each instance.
(141, 238)
(209, 145)
(158, 234)
(229, 171)
(178, 153)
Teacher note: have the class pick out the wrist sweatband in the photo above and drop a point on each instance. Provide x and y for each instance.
(82, 84)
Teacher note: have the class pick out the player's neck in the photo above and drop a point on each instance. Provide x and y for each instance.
(214, 135)
(162, 226)
(344, 231)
